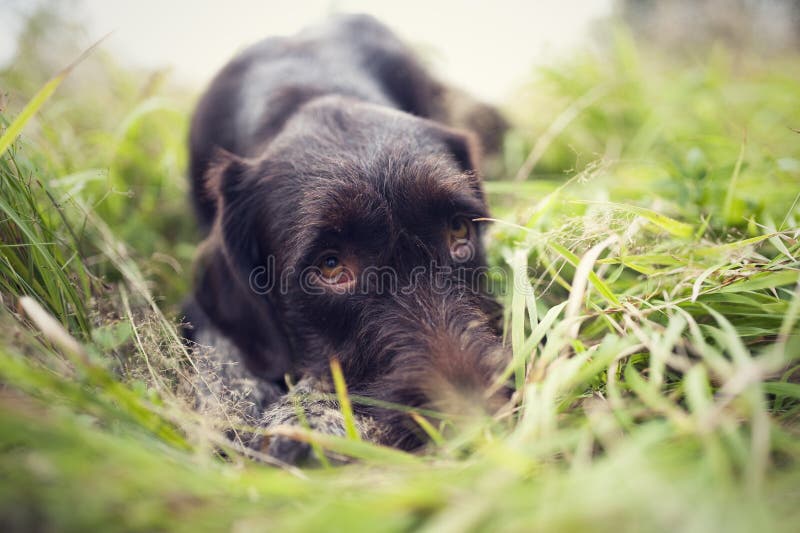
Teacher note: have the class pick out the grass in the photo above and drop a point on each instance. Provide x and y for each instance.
(654, 246)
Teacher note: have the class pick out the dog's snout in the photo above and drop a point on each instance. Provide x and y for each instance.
(443, 349)
(466, 363)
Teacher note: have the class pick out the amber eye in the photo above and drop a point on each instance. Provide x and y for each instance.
(330, 267)
(459, 228)
(333, 271)
(462, 248)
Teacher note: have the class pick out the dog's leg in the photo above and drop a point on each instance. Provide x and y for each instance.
(221, 386)
(225, 390)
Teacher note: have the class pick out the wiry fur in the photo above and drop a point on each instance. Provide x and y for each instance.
(329, 140)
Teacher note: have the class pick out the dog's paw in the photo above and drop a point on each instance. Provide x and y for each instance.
(300, 410)
(282, 445)
(291, 451)
(287, 450)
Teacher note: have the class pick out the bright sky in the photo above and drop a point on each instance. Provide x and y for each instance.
(486, 47)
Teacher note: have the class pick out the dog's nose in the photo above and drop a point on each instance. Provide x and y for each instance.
(465, 379)
(469, 402)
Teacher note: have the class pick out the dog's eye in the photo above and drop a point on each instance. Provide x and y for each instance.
(333, 271)
(330, 266)
(459, 237)
(460, 228)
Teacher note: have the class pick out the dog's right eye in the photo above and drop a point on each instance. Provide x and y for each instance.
(459, 239)
(459, 228)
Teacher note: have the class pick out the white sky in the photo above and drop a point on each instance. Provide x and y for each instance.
(486, 47)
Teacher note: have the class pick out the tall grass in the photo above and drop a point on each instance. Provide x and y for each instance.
(653, 317)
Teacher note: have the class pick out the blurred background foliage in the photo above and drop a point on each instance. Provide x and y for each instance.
(670, 127)
(114, 139)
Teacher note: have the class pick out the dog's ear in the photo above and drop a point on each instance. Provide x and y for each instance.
(462, 145)
(234, 266)
(239, 218)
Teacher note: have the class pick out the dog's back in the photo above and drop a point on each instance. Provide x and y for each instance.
(249, 101)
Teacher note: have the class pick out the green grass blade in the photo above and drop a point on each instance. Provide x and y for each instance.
(519, 267)
(38, 100)
(670, 225)
(594, 279)
(764, 280)
(344, 400)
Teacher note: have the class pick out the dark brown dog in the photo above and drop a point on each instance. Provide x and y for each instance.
(341, 217)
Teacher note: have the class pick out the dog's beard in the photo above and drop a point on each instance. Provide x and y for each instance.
(438, 352)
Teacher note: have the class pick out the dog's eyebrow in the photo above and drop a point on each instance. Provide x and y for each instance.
(460, 194)
(330, 215)
(468, 204)
(306, 243)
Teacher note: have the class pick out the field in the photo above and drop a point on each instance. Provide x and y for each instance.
(650, 202)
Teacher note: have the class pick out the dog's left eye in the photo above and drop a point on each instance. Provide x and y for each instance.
(333, 271)
(330, 267)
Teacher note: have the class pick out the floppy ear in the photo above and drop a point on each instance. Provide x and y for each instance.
(463, 145)
(239, 217)
(229, 257)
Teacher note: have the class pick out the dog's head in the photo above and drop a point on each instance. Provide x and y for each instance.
(359, 227)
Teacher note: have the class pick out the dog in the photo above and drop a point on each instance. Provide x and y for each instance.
(343, 216)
